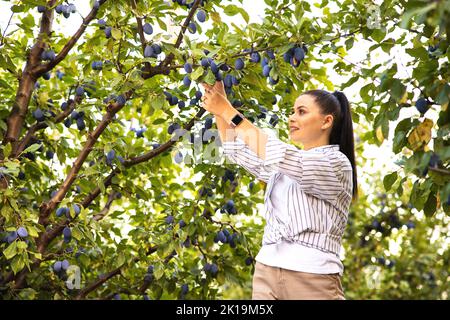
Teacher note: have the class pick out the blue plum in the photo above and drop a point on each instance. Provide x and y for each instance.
(201, 16)
(148, 29)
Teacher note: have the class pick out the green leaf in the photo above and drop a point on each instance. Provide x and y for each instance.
(378, 35)
(33, 231)
(17, 264)
(159, 121)
(404, 125)
(430, 206)
(101, 185)
(116, 33)
(210, 78)
(387, 44)
(162, 24)
(158, 103)
(28, 21)
(444, 95)
(244, 14)
(21, 245)
(158, 272)
(389, 180)
(410, 13)
(121, 259)
(7, 150)
(349, 43)
(351, 81)
(419, 52)
(33, 148)
(397, 89)
(197, 73)
(399, 141)
(76, 233)
(14, 205)
(11, 251)
(17, 8)
(231, 10)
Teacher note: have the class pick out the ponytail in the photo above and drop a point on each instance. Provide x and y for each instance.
(343, 136)
(337, 104)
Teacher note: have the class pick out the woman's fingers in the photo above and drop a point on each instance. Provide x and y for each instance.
(218, 86)
(206, 86)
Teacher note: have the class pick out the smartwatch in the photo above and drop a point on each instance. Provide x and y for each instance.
(236, 120)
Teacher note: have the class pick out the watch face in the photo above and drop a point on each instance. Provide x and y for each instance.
(237, 119)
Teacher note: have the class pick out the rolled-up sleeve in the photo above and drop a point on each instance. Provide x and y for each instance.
(315, 172)
(239, 153)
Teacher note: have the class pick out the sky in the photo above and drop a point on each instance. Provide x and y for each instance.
(379, 158)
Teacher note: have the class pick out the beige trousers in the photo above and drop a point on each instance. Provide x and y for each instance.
(273, 283)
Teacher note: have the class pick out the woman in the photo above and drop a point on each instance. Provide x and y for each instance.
(308, 192)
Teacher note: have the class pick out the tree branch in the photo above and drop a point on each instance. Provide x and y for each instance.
(6, 28)
(139, 25)
(97, 283)
(439, 170)
(42, 68)
(26, 84)
(47, 207)
(102, 279)
(46, 237)
(112, 195)
(42, 125)
(191, 13)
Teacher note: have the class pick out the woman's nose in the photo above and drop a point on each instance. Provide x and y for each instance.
(291, 118)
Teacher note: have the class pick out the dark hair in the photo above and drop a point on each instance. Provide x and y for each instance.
(337, 104)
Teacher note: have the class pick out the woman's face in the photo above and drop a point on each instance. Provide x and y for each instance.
(306, 124)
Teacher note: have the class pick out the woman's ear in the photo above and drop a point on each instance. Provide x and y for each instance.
(327, 122)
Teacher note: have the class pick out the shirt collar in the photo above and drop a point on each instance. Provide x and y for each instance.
(327, 147)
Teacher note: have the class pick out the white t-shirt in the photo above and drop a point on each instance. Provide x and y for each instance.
(295, 256)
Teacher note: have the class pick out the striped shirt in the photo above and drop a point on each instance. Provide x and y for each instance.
(318, 199)
(291, 255)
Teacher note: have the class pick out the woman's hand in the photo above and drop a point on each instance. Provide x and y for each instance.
(215, 99)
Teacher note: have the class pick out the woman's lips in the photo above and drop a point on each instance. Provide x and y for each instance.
(293, 129)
